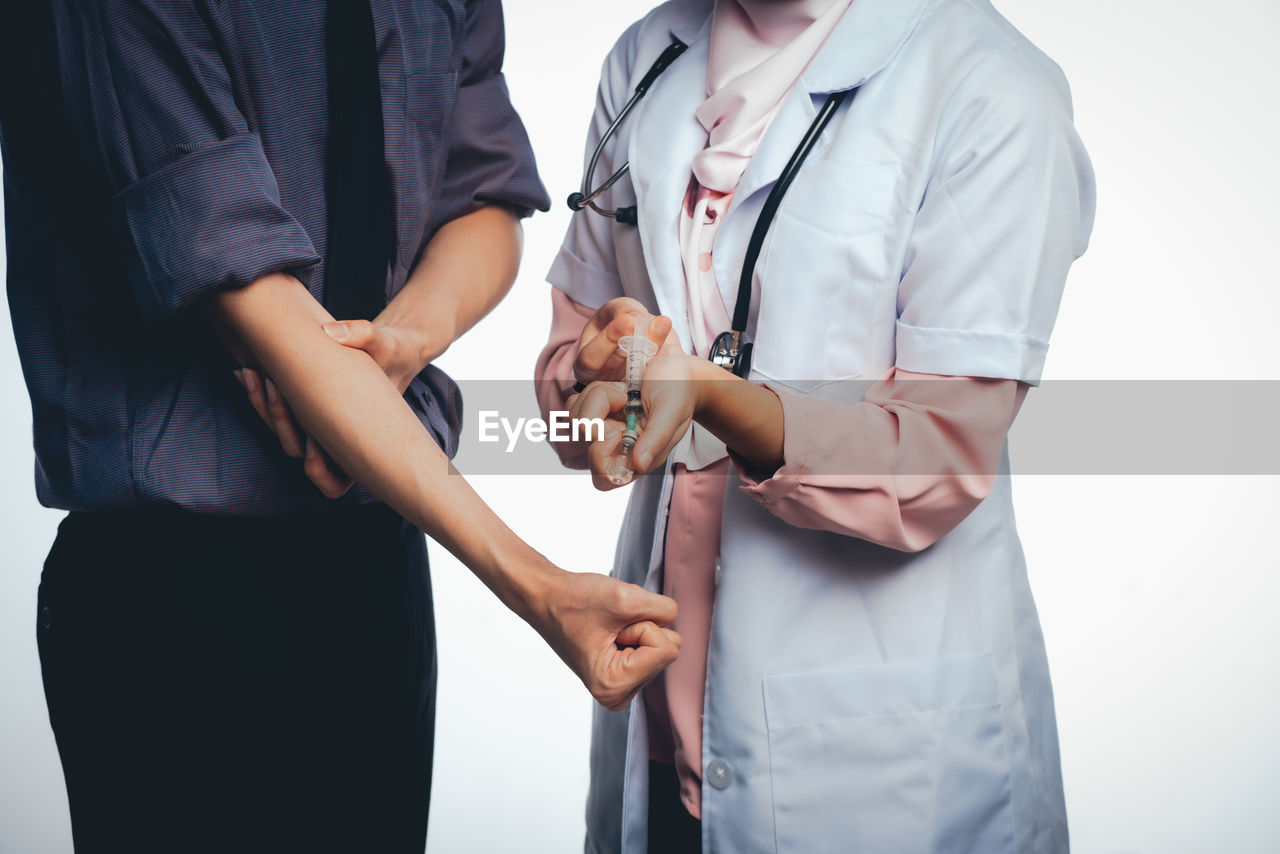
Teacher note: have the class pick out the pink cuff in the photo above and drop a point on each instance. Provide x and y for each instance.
(799, 445)
(553, 377)
(901, 468)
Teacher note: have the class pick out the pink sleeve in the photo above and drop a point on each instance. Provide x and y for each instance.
(553, 377)
(901, 468)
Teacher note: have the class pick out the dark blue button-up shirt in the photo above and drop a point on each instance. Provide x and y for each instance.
(157, 151)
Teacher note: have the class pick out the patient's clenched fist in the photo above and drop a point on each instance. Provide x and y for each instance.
(613, 635)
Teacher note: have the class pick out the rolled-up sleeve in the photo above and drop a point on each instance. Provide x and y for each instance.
(490, 159)
(1008, 207)
(193, 200)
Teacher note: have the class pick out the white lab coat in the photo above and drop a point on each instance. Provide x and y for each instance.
(858, 699)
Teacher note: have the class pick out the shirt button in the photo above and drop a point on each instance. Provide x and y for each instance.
(46, 617)
(717, 572)
(719, 774)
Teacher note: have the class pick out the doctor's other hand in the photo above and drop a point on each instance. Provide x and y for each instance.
(604, 401)
(598, 356)
(613, 635)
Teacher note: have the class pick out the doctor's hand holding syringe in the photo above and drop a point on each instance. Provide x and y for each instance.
(673, 389)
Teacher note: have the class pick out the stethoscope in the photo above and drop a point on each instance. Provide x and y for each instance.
(728, 351)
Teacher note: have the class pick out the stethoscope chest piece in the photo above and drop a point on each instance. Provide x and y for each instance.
(730, 353)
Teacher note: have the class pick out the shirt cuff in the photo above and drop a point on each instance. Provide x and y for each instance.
(211, 219)
(553, 375)
(800, 444)
(970, 353)
(437, 401)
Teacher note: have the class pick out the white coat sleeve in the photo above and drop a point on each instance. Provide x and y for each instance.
(586, 268)
(1008, 206)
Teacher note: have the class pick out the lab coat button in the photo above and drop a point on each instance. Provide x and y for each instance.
(719, 774)
(717, 572)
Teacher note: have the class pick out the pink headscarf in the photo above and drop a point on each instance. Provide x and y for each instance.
(758, 50)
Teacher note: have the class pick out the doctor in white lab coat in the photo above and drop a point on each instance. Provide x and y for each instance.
(859, 697)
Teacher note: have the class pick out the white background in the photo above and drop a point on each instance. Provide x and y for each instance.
(1157, 594)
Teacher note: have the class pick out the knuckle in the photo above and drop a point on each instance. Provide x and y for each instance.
(624, 597)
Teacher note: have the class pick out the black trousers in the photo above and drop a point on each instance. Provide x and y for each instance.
(230, 684)
(672, 830)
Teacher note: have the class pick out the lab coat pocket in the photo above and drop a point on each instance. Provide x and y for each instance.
(824, 305)
(901, 758)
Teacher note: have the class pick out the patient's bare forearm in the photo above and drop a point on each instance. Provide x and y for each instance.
(345, 401)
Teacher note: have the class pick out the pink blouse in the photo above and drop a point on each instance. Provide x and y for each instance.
(901, 468)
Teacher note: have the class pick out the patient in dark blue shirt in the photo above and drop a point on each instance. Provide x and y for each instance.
(236, 658)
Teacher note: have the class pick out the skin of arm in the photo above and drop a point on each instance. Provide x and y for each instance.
(341, 396)
(678, 389)
(468, 266)
(465, 271)
(749, 418)
(681, 389)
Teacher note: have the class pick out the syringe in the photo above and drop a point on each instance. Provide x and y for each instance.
(637, 349)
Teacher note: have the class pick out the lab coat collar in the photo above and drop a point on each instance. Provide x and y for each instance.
(693, 21)
(865, 41)
(862, 44)
(665, 137)
(667, 134)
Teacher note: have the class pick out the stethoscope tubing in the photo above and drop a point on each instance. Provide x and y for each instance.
(587, 197)
(728, 351)
(742, 307)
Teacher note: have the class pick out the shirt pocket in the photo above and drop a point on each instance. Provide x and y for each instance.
(417, 154)
(823, 275)
(902, 758)
(429, 97)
